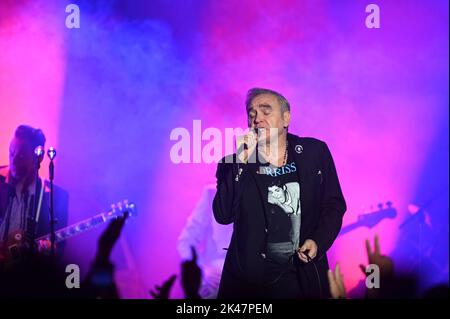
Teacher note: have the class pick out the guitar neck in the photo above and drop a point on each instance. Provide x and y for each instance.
(349, 228)
(369, 220)
(82, 226)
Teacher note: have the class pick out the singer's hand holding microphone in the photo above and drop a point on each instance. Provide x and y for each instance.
(246, 145)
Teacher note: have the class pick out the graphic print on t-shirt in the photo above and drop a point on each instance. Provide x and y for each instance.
(286, 197)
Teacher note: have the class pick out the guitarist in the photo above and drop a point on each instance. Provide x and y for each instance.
(18, 197)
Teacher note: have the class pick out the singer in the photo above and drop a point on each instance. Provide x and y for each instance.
(24, 198)
(287, 207)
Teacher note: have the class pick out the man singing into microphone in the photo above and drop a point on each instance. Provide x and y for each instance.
(24, 200)
(286, 204)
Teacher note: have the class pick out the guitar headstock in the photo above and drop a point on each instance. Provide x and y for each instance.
(123, 208)
(375, 216)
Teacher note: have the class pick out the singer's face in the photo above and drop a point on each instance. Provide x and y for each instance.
(265, 112)
(21, 158)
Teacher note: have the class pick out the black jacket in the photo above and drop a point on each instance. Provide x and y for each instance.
(61, 207)
(322, 209)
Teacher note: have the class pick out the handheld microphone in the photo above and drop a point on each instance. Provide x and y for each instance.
(259, 131)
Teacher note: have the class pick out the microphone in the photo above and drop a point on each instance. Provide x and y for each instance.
(39, 151)
(51, 153)
(259, 133)
(259, 130)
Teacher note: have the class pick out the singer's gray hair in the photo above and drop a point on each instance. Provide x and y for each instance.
(252, 93)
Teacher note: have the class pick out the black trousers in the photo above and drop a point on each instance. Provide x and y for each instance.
(279, 281)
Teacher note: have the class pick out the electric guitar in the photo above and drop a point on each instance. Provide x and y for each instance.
(16, 244)
(371, 219)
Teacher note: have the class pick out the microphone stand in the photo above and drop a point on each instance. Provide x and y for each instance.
(51, 154)
(420, 214)
(31, 229)
(33, 223)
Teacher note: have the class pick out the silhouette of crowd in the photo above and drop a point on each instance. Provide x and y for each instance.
(41, 276)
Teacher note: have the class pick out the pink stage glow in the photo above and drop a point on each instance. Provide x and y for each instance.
(32, 70)
(109, 94)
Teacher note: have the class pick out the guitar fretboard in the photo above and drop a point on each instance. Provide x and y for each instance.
(82, 226)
